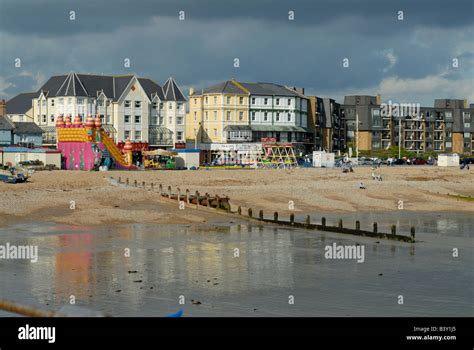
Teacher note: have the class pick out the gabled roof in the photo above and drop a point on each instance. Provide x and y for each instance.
(21, 103)
(151, 88)
(172, 91)
(92, 85)
(269, 89)
(27, 128)
(264, 89)
(6, 124)
(227, 87)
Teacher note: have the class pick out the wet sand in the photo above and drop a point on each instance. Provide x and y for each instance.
(197, 261)
(47, 196)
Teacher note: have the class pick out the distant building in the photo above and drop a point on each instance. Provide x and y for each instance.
(6, 131)
(129, 106)
(324, 116)
(20, 107)
(446, 127)
(234, 111)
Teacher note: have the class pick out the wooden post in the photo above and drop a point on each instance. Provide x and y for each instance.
(152, 186)
(358, 225)
(208, 200)
(143, 184)
(260, 214)
(250, 212)
(160, 188)
(292, 218)
(179, 194)
(135, 183)
(340, 224)
(323, 221)
(239, 210)
(375, 227)
(169, 191)
(394, 230)
(127, 181)
(412, 233)
(308, 220)
(187, 195)
(197, 198)
(275, 216)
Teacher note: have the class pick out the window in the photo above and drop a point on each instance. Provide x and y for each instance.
(179, 120)
(138, 135)
(253, 100)
(138, 104)
(195, 116)
(180, 105)
(228, 100)
(61, 100)
(170, 105)
(80, 101)
(265, 101)
(179, 136)
(278, 117)
(44, 118)
(215, 100)
(108, 119)
(215, 115)
(126, 134)
(170, 120)
(228, 115)
(154, 105)
(241, 115)
(161, 120)
(195, 101)
(43, 103)
(52, 102)
(277, 101)
(265, 116)
(207, 116)
(289, 102)
(253, 115)
(241, 100)
(289, 117)
(207, 99)
(51, 118)
(161, 105)
(126, 119)
(126, 103)
(467, 135)
(138, 119)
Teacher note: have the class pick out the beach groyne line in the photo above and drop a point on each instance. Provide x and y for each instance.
(222, 204)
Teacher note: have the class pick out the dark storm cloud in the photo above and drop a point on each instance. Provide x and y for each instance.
(51, 17)
(199, 51)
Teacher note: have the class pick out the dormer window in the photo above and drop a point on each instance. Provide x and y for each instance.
(126, 104)
(138, 104)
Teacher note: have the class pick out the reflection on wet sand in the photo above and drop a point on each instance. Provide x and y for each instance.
(132, 270)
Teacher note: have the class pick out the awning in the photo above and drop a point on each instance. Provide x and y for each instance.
(109, 128)
(48, 129)
(158, 130)
(269, 128)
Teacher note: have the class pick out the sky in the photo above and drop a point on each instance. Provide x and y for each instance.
(409, 60)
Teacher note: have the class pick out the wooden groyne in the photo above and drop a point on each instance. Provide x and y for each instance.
(222, 204)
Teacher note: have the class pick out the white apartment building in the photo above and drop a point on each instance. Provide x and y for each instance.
(130, 107)
(275, 111)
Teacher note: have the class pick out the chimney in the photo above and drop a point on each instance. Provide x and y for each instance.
(191, 91)
(3, 108)
(379, 99)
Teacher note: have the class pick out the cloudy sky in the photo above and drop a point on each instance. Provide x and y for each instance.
(409, 60)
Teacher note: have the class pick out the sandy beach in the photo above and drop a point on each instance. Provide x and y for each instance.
(48, 195)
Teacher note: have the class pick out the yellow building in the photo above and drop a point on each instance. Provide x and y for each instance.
(214, 108)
